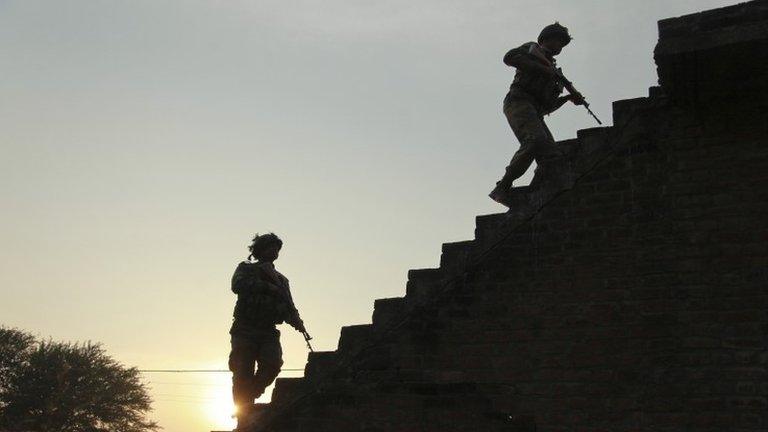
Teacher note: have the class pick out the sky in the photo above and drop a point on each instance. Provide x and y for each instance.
(144, 142)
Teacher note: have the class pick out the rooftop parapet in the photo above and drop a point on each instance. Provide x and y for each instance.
(717, 56)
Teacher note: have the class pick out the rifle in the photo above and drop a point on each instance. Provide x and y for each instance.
(572, 90)
(538, 55)
(287, 298)
(307, 338)
(300, 327)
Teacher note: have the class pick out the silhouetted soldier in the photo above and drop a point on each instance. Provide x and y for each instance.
(534, 92)
(263, 301)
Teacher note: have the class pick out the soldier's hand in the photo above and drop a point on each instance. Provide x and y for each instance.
(578, 99)
(300, 326)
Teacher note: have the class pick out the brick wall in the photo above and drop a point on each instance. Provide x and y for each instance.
(626, 291)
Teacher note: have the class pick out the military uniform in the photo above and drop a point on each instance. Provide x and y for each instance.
(530, 97)
(263, 301)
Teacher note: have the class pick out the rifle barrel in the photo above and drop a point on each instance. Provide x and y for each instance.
(565, 81)
(593, 114)
(308, 338)
(572, 90)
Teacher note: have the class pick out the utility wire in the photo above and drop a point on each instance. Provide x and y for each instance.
(199, 370)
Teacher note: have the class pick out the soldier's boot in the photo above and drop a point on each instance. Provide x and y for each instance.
(517, 167)
(247, 415)
(246, 418)
(500, 193)
(497, 194)
(242, 418)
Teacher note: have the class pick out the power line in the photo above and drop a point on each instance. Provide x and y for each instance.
(204, 370)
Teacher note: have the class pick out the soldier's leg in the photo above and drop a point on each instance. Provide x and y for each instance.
(545, 145)
(526, 125)
(270, 360)
(242, 360)
(546, 148)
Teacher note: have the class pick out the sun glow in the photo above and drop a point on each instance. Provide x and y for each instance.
(220, 407)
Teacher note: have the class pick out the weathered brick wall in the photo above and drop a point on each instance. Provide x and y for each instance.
(628, 289)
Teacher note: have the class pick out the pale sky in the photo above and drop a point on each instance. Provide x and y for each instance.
(145, 141)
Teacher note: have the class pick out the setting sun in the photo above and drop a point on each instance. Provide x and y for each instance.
(219, 409)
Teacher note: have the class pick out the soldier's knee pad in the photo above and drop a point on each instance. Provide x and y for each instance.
(271, 356)
(240, 365)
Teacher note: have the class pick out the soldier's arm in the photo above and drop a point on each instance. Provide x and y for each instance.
(562, 100)
(239, 280)
(520, 58)
(246, 279)
(294, 319)
(296, 322)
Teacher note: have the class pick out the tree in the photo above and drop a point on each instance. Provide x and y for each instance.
(15, 347)
(60, 386)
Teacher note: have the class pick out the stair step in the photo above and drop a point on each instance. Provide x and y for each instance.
(424, 274)
(319, 364)
(255, 412)
(286, 389)
(589, 132)
(421, 282)
(386, 309)
(656, 91)
(519, 200)
(552, 171)
(455, 255)
(623, 109)
(487, 225)
(592, 138)
(260, 408)
(353, 337)
(570, 146)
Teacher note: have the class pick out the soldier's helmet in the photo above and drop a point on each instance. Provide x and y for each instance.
(555, 30)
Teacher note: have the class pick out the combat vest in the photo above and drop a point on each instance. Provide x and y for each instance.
(541, 90)
(260, 307)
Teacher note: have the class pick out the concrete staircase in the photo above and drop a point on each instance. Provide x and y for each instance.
(625, 289)
(366, 348)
